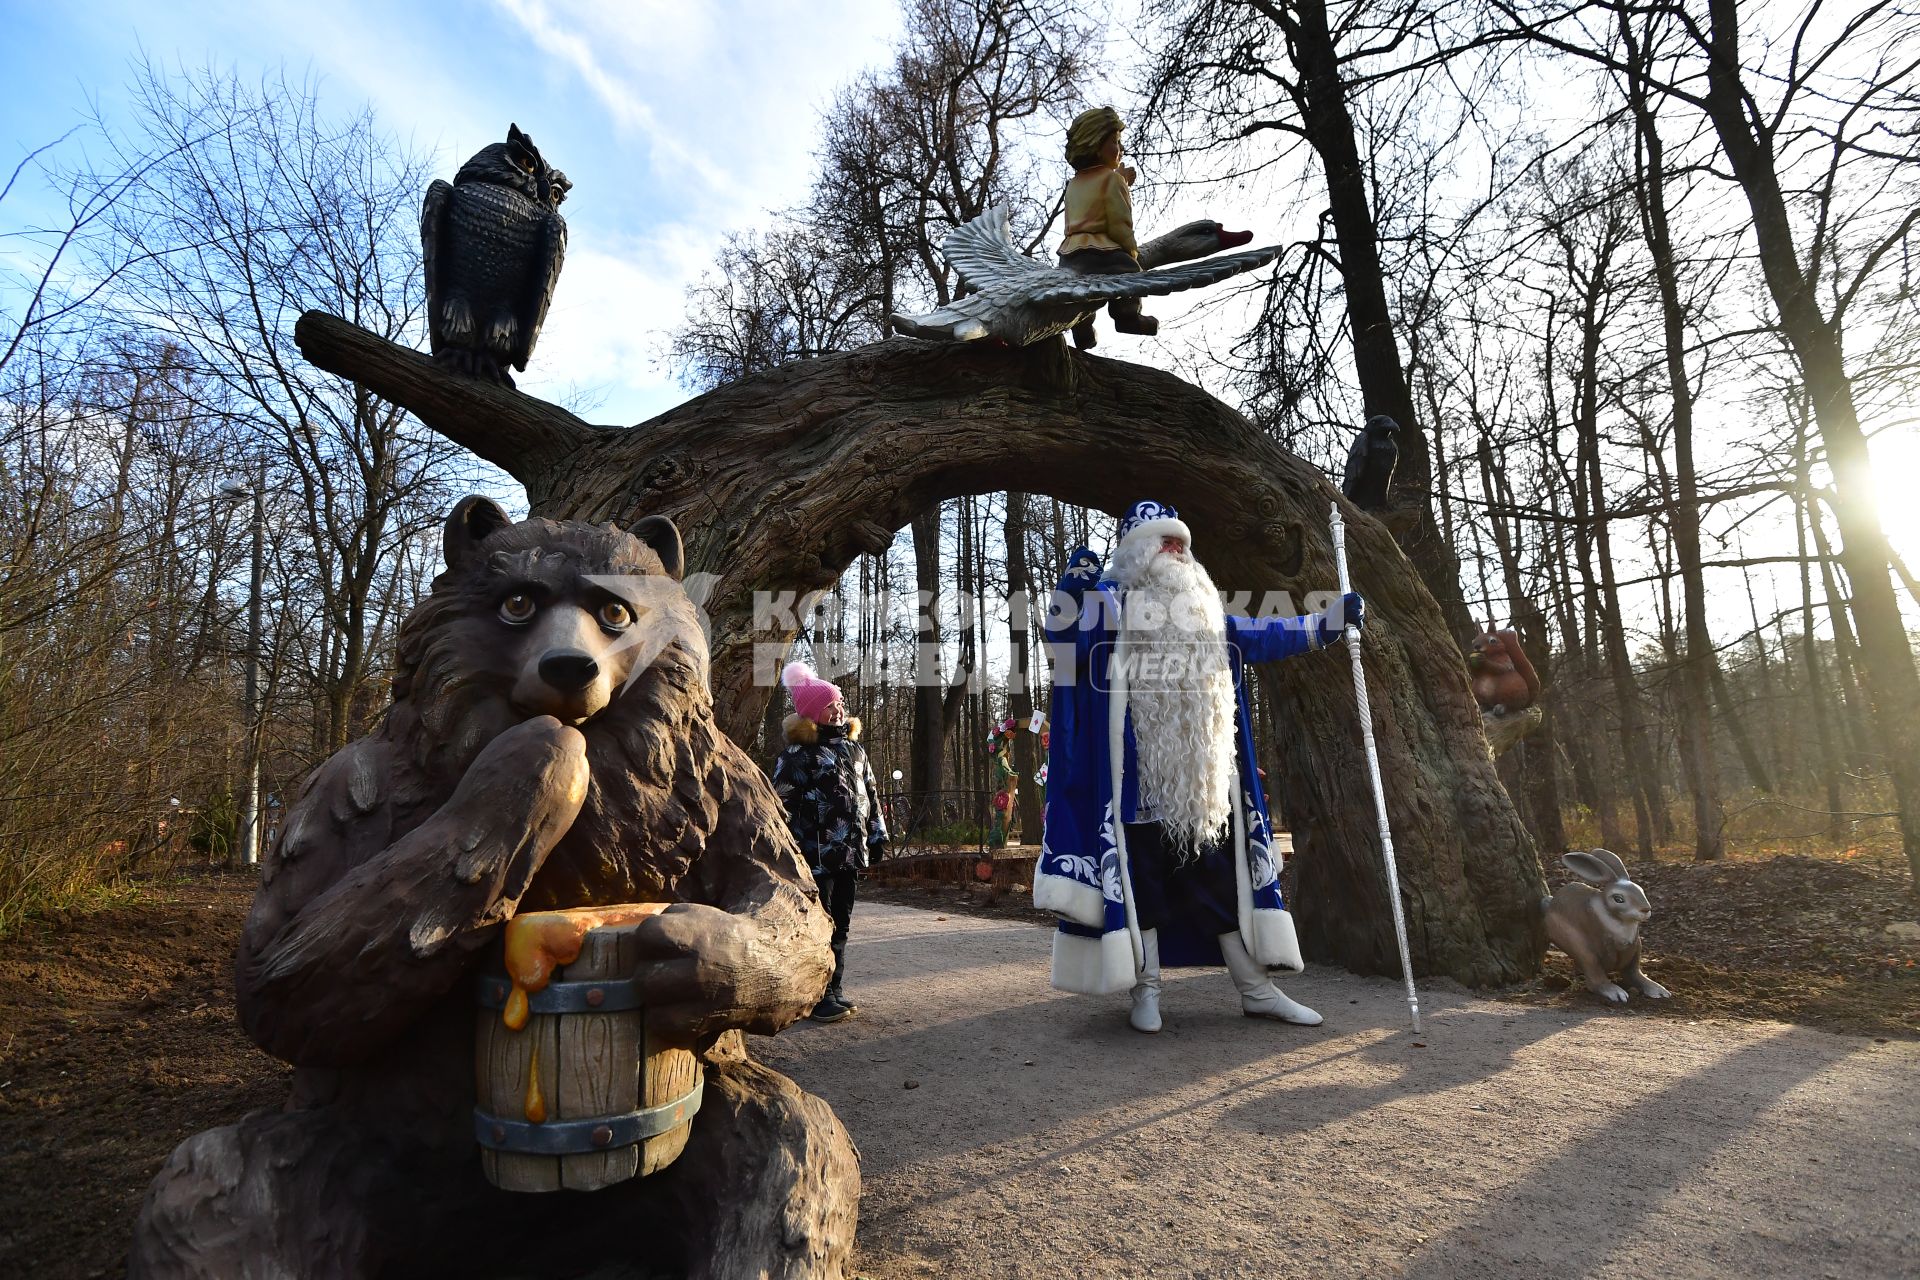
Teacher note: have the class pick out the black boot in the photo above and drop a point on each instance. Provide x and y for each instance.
(839, 972)
(833, 1006)
(830, 1010)
(1132, 321)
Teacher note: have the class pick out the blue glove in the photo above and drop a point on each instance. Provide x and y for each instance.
(1330, 623)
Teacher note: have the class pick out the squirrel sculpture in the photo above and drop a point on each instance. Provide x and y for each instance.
(1503, 679)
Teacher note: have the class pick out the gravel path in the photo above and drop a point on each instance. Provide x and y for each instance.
(1009, 1130)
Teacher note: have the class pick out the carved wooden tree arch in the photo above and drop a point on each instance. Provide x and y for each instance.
(780, 480)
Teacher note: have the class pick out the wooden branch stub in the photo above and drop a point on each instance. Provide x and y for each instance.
(523, 436)
(1505, 732)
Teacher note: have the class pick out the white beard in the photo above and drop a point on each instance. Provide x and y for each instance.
(1180, 692)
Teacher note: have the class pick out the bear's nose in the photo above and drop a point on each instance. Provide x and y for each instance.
(569, 670)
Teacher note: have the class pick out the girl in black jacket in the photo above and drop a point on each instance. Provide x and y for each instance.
(833, 805)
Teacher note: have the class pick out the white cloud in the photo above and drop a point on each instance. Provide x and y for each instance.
(674, 37)
(721, 102)
(724, 95)
(604, 332)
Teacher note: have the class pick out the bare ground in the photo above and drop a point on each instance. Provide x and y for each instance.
(1541, 1135)
(1008, 1130)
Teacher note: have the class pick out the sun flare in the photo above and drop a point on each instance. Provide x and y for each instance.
(1896, 467)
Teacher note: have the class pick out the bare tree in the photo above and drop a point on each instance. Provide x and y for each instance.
(1822, 154)
(1250, 74)
(258, 206)
(965, 116)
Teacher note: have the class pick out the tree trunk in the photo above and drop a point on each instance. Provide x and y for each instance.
(926, 757)
(1322, 100)
(1603, 592)
(1819, 706)
(1729, 708)
(1534, 763)
(1846, 652)
(778, 481)
(1696, 661)
(1026, 746)
(1887, 658)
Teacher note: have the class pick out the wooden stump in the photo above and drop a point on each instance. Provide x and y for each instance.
(580, 1066)
(1505, 732)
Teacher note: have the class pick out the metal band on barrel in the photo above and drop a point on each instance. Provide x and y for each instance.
(585, 1137)
(615, 995)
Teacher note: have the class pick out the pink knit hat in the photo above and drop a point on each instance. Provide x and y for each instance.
(813, 697)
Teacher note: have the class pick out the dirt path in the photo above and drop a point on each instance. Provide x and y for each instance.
(1007, 1130)
(1565, 1140)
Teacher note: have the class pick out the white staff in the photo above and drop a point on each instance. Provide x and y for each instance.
(1373, 771)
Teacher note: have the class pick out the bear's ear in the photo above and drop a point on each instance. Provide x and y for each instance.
(663, 535)
(471, 522)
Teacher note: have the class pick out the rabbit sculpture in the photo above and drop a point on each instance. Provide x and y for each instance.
(1598, 925)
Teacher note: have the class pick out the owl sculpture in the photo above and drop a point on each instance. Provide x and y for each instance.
(493, 243)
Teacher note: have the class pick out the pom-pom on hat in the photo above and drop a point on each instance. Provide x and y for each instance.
(813, 697)
(1151, 520)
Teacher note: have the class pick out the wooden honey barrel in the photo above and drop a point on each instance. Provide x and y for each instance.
(576, 1098)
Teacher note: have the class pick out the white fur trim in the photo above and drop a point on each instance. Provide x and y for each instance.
(1274, 944)
(1157, 529)
(1065, 896)
(1092, 966)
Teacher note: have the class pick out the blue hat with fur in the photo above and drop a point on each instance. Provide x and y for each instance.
(1150, 519)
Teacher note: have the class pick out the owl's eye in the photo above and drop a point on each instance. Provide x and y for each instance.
(615, 616)
(518, 608)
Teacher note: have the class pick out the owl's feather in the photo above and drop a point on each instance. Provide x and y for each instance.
(433, 219)
(553, 253)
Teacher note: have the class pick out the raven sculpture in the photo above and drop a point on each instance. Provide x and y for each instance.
(1370, 463)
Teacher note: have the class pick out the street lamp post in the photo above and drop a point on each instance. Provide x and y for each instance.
(249, 826)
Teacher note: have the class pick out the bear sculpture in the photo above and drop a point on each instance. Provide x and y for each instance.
(551, 744)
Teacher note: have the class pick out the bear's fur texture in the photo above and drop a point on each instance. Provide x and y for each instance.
(551, 744)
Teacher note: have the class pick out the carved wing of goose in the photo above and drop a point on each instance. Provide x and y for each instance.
(1020, 300)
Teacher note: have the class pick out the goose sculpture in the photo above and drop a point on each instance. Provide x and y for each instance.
(1020, 300)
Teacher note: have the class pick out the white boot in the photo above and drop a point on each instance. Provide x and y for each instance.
(1146, 992)
(1259, 998)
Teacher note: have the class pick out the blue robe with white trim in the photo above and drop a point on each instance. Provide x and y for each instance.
(1081, 875)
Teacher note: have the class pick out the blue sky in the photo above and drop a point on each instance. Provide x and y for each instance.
(677, 121)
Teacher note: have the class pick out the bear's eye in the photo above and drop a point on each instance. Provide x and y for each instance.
(615, 616)
(518, 607)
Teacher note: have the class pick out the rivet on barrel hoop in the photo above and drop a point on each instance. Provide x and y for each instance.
(596, 997)
(499, 1133)
(602, 1136)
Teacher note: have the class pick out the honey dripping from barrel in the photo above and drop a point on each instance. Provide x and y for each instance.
(539, 942)
(535, 1105)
